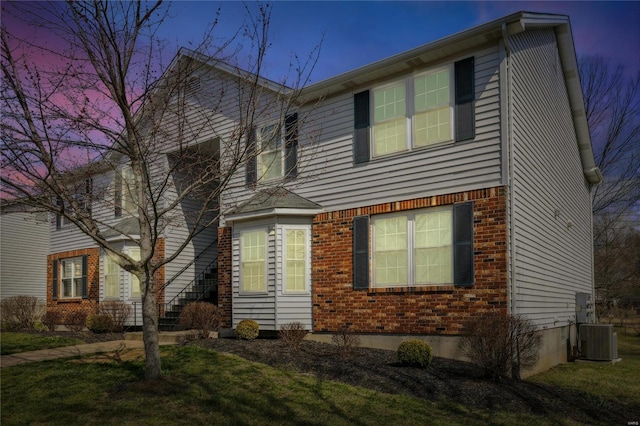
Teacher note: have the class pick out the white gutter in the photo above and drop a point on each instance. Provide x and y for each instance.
(511, 199)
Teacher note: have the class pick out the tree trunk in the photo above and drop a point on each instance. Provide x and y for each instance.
(150, 332)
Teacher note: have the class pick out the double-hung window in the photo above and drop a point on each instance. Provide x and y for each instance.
(423, 109)
(413, 112)
(424, 247)
(111, 278)
(134, 282)
(295, 254)
(413, 249)
(253, 252)
(270, 153)
(125, 197)
(72, 277)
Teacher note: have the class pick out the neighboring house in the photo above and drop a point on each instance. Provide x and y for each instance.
(442, 184)
(24, 245)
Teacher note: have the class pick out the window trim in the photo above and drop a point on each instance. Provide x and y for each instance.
(410, 111)
(106, 260)
(129, 276)
(60, 277)
(241, 289)
(307, 259)
(280, 150)
(411, 247)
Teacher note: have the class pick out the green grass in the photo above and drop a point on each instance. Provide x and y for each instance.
(11, 343)
(603, 380)
(204, 387)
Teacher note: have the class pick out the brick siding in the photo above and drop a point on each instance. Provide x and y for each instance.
(410, 310)
(224, 275)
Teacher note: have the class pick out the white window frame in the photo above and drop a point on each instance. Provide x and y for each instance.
(265, 254)
(128, 203)
(73, 277)
(410, 110)
(107, 259)
(131, 278)
(262, 169)
(307, 258)
(411, 247)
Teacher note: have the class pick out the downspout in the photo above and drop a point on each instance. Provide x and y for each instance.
(511, 202)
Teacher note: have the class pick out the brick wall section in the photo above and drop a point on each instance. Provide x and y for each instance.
(224, 275)
(64, 307)
(159, 276)
(416, 310)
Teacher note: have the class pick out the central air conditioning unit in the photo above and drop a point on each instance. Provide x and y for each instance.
(598, 342)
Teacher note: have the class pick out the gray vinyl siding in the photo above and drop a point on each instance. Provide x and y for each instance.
(24, 245)
(327, 174)
(551, 216)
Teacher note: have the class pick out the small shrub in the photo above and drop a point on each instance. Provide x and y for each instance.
(76, 321)
(118, 311)
(99, 323)
(501, 344)
(201, 316)
(247, 329)
(415, 353)
(20, 312)
(346, 341)
(51, 319)
(292, 335)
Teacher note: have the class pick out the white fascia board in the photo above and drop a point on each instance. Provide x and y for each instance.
(260, 214)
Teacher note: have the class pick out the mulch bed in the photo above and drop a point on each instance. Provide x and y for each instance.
(445, 379)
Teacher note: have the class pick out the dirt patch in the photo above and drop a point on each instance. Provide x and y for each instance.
(123, 355)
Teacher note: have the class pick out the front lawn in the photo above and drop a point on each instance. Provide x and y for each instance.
(11, 343)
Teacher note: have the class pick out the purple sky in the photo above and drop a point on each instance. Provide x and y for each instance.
(358, 33)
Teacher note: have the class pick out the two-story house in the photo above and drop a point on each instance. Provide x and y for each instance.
(438, 185)
(400, 199)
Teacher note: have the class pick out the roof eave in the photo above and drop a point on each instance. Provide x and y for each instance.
(272, 212)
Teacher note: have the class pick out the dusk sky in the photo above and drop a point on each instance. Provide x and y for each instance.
(358, 33)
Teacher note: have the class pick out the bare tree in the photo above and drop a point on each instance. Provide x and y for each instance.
(612, 102)
(94, 122)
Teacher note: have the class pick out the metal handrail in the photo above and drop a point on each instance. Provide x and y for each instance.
(168, 305)
(170, 280)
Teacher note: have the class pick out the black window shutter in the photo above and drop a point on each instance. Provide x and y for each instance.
(58, 216)
(463, 273)
(361, 252)
(117, 193)
(465, 96)
(88, 196)
(361, 127)
(54, 279)
(291, 145)
(252, 160)
(85, 272)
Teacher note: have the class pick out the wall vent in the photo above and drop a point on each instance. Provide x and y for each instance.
(598, 342)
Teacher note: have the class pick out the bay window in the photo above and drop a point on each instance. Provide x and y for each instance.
(253, 261)
(295, 260)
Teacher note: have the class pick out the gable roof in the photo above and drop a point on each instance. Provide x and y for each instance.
(276, 201)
